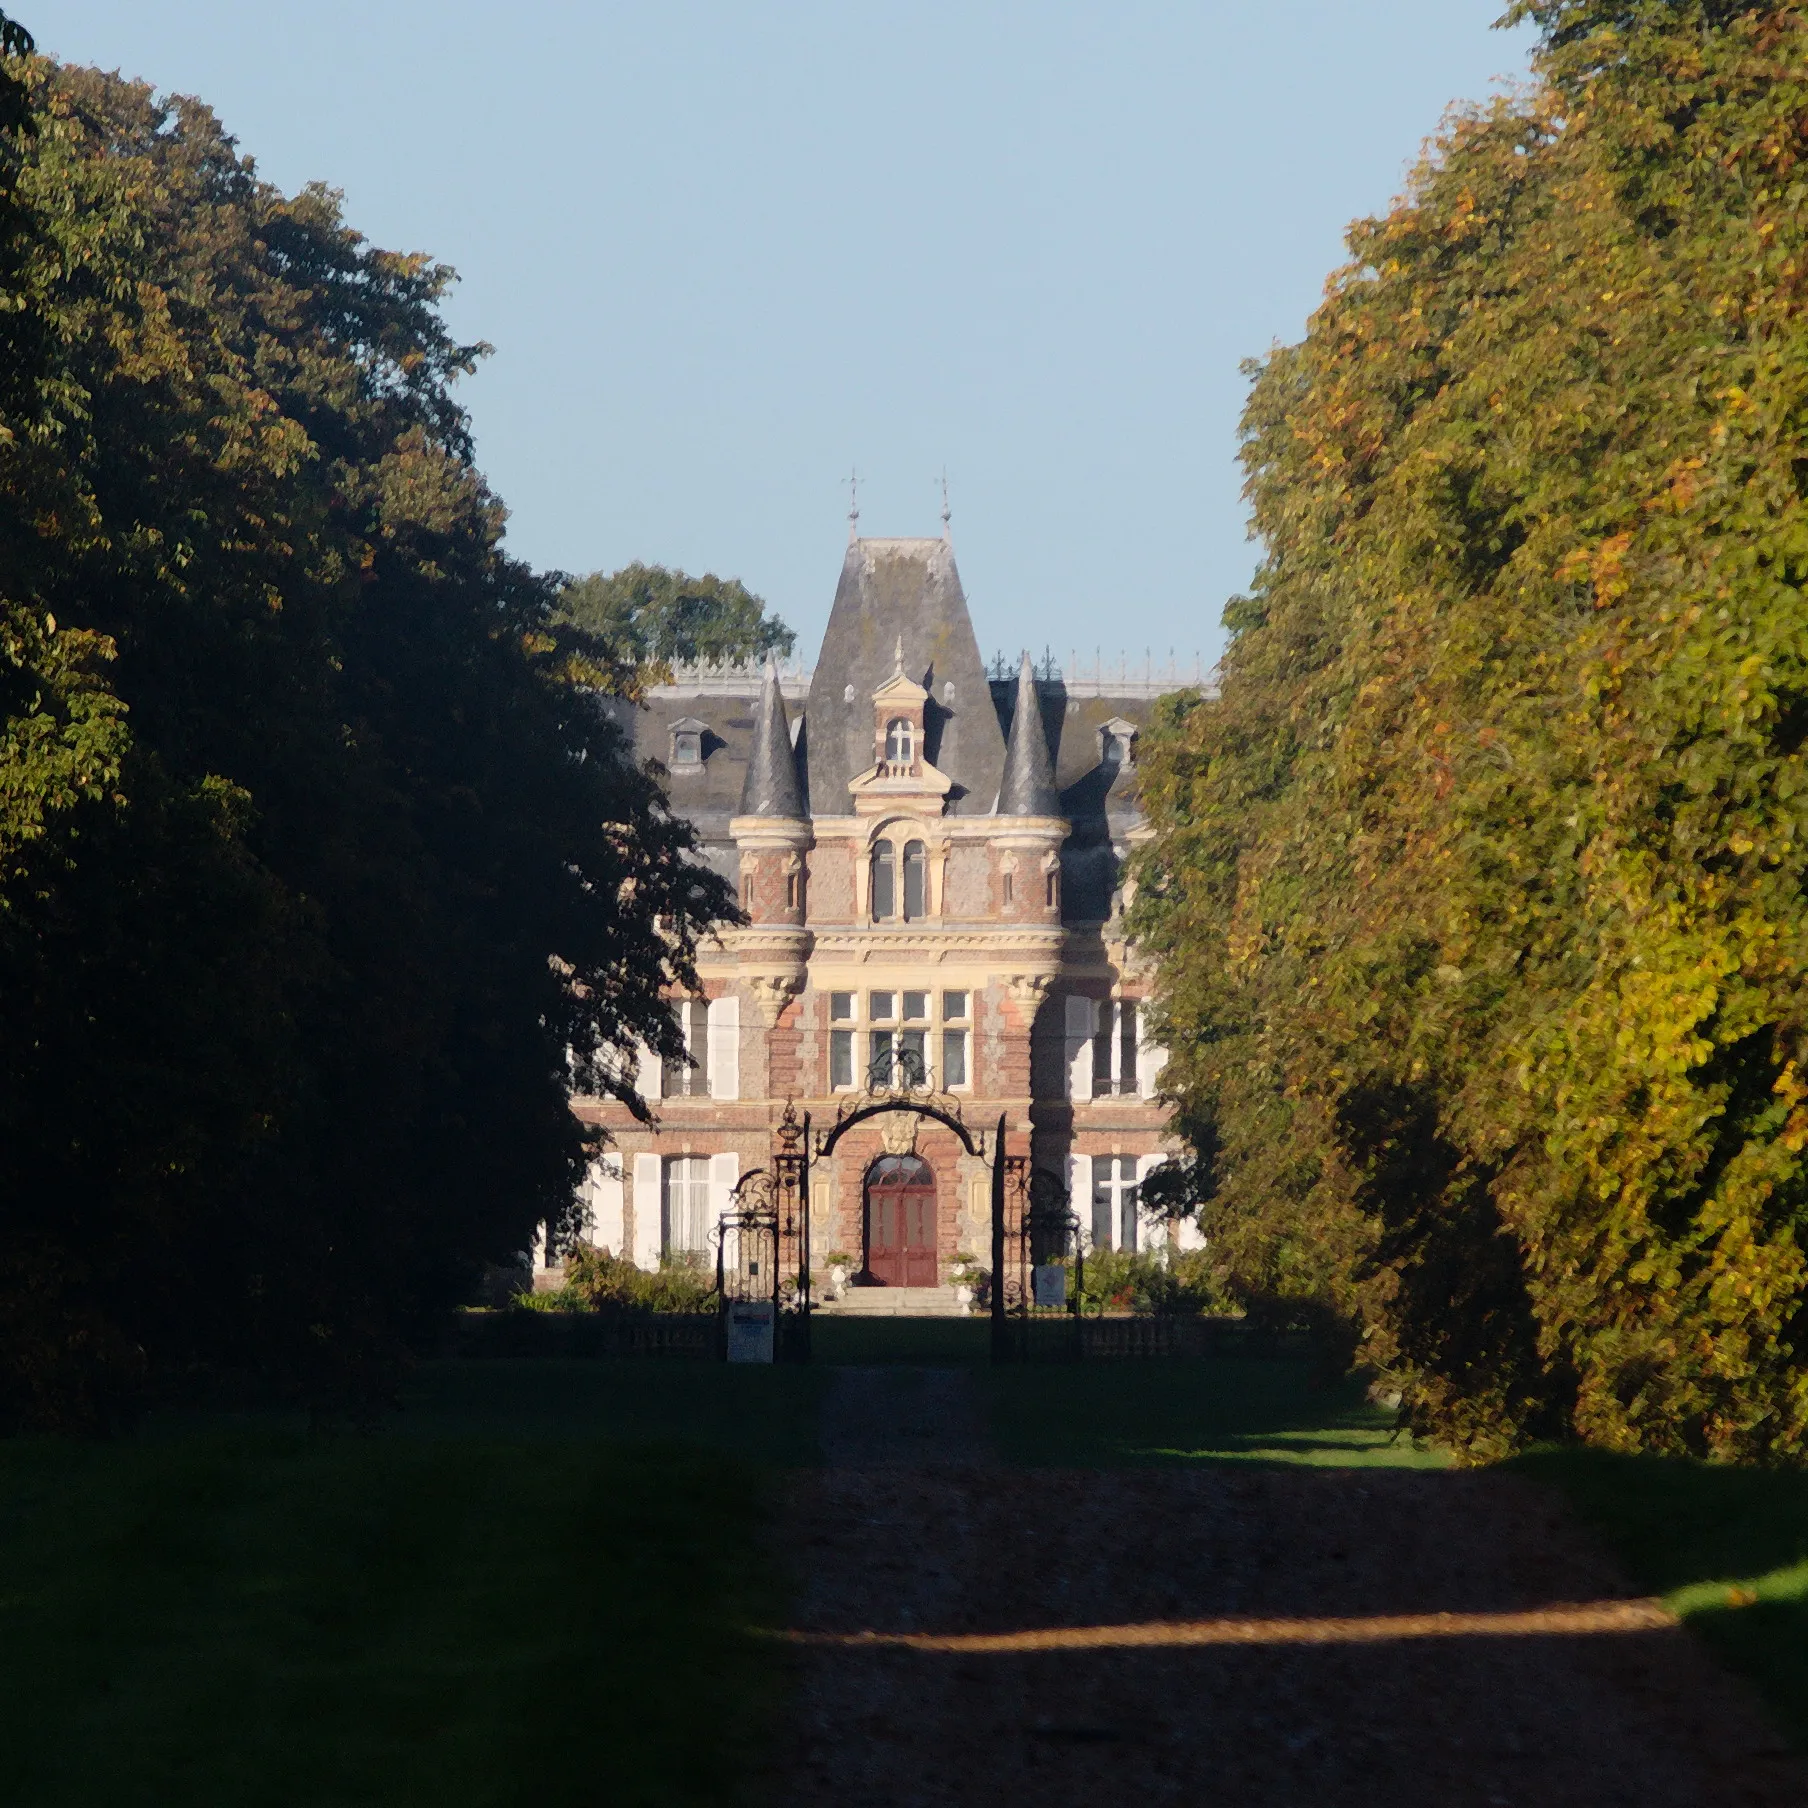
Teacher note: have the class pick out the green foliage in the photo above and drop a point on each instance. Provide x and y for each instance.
(319, 865)
(647, 615)
(1175, 1283)
(597, 1281)
(1478, 889)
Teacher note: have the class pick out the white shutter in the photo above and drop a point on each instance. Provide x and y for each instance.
(1082, 1022)
(724, 1171)
(1154, 1231)
(649, 1081)
(1151, 1057)
(725, 1048)
(646, 1211)
(603, 1199)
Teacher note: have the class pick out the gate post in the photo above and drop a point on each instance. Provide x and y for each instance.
(1001, 1333)
(806, 1304)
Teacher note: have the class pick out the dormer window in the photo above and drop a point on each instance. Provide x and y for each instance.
(687, 741)
(900, 741)
(1117, 743)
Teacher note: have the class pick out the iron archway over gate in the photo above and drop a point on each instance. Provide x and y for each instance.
(770, 1217)
(900, 1084)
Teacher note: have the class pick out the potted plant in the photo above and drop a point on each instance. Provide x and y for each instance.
(837, 1266)
(964, 1276)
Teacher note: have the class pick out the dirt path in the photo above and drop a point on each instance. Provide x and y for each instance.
(1267, 1704)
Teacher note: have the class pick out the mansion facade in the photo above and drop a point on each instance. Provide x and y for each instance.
(930, 859)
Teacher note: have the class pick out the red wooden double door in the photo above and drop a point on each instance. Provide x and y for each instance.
(900, 1222)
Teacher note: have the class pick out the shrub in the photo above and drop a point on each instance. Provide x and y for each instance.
(596, 1281)
(1169, 1283)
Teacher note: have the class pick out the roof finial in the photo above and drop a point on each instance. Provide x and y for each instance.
(947, 531)
(897, 670)
(853, 483)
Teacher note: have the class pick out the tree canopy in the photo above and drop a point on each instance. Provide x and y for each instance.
(1477, 889)
(320, 866)
(656, 616)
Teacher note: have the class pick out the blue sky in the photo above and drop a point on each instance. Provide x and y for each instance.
(727, 252)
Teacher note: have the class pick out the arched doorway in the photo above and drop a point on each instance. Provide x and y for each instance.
(900, 1222)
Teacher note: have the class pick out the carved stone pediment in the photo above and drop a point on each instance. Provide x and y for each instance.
(898, 1133)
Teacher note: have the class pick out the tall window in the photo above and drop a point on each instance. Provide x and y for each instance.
(1114, 1211)
(841, 1039)
(916, 881)
(684, 1206)
(1114, 1049)
(885, 882)
(881, 1040)
(689, 1079)
(794, 886)
(896, 1039)
(900, 741)
(1054, 889)
(955, 1008)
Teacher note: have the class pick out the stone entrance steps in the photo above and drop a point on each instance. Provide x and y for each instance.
(897, 1302)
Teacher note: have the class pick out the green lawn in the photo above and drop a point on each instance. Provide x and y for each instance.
(1726, 1548)
(758, 1414)
(1217, 1409)
(258, 1617)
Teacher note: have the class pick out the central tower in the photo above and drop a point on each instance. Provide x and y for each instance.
(899, 612)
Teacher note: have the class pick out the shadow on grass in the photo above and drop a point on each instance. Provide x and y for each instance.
(1726, 1547)
(1226, 1409)
(258, 1618)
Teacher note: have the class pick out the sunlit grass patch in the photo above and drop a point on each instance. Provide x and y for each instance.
(1726, 1547)
(1204, 1409)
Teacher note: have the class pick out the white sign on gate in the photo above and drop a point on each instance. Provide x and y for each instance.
(750, 1330)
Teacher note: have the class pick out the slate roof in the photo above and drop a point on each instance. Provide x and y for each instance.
(892, 589)
(908, 590)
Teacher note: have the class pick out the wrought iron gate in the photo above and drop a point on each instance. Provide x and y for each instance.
(1044, 1269)
(763, 1242)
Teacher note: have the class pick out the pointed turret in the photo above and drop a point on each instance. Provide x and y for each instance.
(1028, 788)
(771, 787)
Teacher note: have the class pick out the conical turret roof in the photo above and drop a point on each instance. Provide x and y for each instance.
(771, 787)
(1028, 787)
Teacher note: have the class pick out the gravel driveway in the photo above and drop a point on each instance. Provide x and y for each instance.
(1192, 1659)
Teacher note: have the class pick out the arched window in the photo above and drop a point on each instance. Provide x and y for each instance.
(900, 741)
(1054, 889)
(916, 880)
(885, 882)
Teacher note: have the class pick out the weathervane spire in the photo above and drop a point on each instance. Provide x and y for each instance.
(853, 483)
(947, 530)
